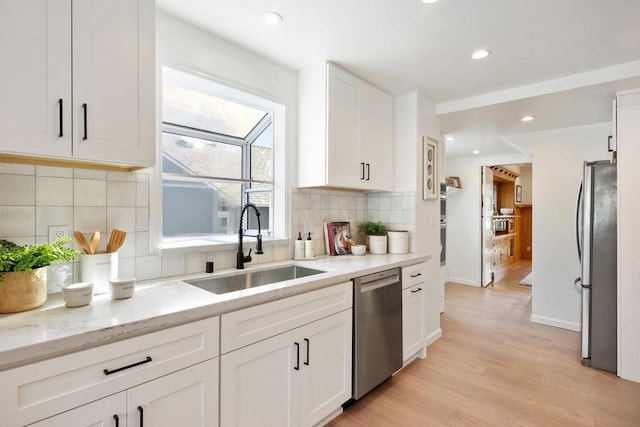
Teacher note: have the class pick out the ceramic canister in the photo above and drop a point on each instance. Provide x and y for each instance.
(398, 241)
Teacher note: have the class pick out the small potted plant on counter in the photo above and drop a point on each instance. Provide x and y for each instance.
(23, 272)
(376, 233)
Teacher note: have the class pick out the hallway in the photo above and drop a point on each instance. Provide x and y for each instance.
(507, 277)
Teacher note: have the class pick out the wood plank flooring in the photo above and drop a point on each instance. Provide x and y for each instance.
(507, 277)
(493, 367)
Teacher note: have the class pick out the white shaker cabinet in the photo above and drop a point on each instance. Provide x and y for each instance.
(414, 311)
(345, 127)
(79, 85)
(182, 398)
(287, 362)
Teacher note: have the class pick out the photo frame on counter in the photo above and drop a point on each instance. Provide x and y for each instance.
(430, 182)
(518, 193)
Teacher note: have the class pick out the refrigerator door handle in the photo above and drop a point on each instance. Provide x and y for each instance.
(587, 214)
(578, 206)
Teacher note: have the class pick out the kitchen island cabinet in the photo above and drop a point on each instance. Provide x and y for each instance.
(78, 87)
(345, 131)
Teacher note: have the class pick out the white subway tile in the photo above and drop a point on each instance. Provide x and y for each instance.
(120, 176)
(24, 240)
(121, 193)
(384, 203)
(219, 260)
(59, 275)
(373, 202)
(121, 218)
(409, 216)
(52, 191)
(127, 250)
(148, 267)
(53, 215)
(89, 192)
(90, 174)
(230, 259)
(90, 219)
(142, 219)
(142, 244)
(142, 194)
(409, 202)
(16, 169)
(195, 262)
(282, 252)
(17, 190)
(17, 221)
(345, 202)
(395, 216)
(54, 171)
(173, 265)
(373, 215)
(126, 268)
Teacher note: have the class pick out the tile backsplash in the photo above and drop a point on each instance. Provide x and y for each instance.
(32, 198)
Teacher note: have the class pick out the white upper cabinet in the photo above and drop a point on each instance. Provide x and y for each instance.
(345, 131)
(105, 113)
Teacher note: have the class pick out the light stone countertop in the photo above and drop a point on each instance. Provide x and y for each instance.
(54, 329)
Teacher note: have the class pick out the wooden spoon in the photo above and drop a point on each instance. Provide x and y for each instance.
(95, 240)
(116, 240)
(82, 241)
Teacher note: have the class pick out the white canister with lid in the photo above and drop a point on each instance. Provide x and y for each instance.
(77, 294)
(398, 241)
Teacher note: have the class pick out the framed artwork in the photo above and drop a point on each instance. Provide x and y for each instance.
(518, 194)
(430, 186)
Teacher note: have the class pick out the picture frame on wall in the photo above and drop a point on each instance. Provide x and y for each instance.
(518, 193)
(430, 183)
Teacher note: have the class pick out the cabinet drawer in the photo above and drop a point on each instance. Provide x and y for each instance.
(414, 274)
(253, 324)
(42, 389)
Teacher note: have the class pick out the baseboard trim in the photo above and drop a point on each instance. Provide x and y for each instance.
(434, 336)
(463, 281)
(572, 326)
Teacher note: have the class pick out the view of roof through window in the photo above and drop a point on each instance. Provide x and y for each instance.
(188, 101)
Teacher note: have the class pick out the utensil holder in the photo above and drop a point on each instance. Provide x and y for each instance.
(99, 269)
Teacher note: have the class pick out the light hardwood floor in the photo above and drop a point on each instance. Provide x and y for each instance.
(493, 367)
(507, 277)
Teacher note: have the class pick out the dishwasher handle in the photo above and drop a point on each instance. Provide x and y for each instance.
(371, 286)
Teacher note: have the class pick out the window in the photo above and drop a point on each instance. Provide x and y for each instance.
(217, 155)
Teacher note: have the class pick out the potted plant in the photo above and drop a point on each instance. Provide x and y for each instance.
(23, 272)
(376, 233)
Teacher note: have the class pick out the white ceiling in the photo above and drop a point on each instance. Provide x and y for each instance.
(405, 45)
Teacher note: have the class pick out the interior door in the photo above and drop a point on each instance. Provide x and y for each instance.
(487, 226)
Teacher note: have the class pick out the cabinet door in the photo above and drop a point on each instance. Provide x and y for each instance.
(345, 167)
(107, 412)
(259, 383)
(35, 88)
(376, 144)
(325, 381)
(114, 81)
(413, 320)
(185, 398)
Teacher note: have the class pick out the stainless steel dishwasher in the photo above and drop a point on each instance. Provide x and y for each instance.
(377, 332)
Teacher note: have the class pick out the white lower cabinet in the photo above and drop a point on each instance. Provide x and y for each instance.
(413, 320)
(182, 398)
(295, 378)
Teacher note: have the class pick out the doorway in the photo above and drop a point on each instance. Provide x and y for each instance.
(507, 228)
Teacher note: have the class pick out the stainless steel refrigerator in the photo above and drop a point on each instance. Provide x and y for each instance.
(596, 230)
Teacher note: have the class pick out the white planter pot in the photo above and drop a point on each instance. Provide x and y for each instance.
(398, 241)
(378, 245)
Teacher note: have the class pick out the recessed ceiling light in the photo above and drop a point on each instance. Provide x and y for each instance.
(449, 138)
(429, 1)
(272, 18)
(476, 151)
(480, 54)
(527, 118)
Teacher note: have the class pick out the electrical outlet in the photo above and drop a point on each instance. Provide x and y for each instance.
(56, 231)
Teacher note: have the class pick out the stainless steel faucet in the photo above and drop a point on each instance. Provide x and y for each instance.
(240, 257)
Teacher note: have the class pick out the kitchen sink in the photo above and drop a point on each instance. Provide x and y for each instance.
(252, 279)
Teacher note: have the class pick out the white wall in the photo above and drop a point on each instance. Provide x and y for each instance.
(628, 236)
(558, 156)
(405, 127)
(463, 215)
(525, 181)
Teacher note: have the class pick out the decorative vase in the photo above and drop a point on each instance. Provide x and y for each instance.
(377, 244)
(23, 290)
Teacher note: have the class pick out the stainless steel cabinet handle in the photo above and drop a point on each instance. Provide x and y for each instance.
(297, 367)
(307, 341)
(142, 362)
(416, 290)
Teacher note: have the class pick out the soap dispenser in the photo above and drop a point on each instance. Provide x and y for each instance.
(308, 247)
(298, 251)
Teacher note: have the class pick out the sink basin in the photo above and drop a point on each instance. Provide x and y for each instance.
(252, 279)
